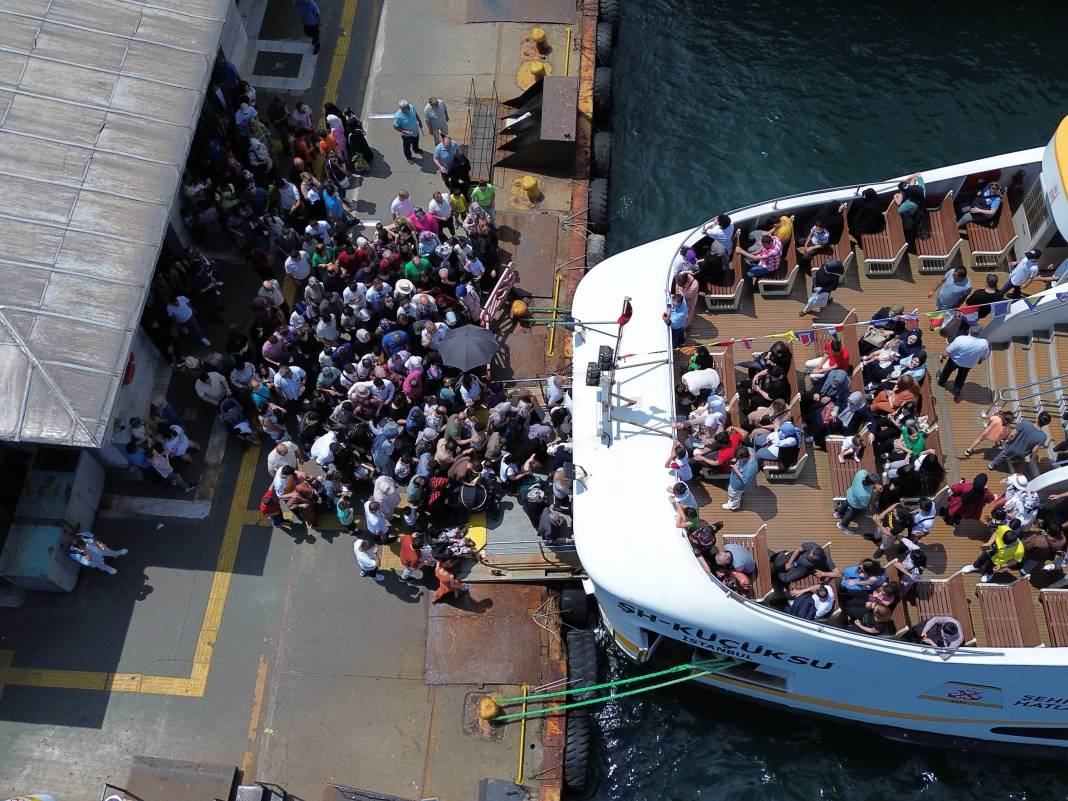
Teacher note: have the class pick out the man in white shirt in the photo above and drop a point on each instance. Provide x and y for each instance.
(697, 380)
(289, 384)
(402, 205)
(440, 208)
(963, 353)
(320, 229)
(284, 453)
(375, 521)
(1024, 273)
(298, 266)
(721, 232)
(182, 313)
(320, 449)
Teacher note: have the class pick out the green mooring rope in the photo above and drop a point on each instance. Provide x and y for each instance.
(546, 710)
(539, 696)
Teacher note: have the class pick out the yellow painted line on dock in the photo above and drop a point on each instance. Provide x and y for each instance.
(194, 685)
(341, 51)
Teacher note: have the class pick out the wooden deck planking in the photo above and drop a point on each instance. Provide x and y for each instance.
(801, 510)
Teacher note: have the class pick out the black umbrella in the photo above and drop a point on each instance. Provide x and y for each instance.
(468, 347)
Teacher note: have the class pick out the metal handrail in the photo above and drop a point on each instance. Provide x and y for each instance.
(1003, 392)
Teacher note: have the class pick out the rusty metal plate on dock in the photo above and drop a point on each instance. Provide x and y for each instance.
(487, 638)
(530, 241)
(156, 779)
(562, 11)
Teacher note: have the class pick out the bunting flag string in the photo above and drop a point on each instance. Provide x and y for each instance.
(936, 319)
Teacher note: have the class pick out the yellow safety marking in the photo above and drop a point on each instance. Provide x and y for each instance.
(194, 685)
(341, 51)
(476, 529)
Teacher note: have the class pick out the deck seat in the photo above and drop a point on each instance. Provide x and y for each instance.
(927, 406)
(897, 614)
(781, 287)
(884, 251)
(812, 581)
(841, 250)
(842, 473)
(728, 376)
(728, 298)
(1008, 614)
(773, 470)
(990, 246)
(1055, 608)
(945, 597)
(757, 545)
(937, 239)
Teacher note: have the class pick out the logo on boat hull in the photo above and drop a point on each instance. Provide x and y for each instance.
(957, 692)
(710, 640)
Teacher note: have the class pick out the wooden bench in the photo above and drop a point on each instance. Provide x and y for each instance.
(842, 473)
(927, 403)
(757, 545)
(897, 614)
(841, 250)
(728, 298)
(1008, 614)
(945, 597)
(884, 251)
(773, 470)
(990, 245)
(781, 287)
(728, 376)
(1055, 608)
(937, 240)
(812, 581)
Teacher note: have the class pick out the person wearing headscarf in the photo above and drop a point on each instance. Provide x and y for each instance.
(853, 417)
(689, 287)
(967, 499)
(866, 214)
(1019, 501)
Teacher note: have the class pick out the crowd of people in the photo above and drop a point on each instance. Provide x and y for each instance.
(883, 423)
(343, 378)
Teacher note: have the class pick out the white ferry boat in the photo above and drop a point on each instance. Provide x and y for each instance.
(1007, 686)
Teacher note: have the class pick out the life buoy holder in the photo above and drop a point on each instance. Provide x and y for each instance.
(130, 371)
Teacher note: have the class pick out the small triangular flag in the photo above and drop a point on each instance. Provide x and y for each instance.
(1000, 308)
(805, 337)
(1062, 296)
(747, 343)
(936, 322)
(1032, 301)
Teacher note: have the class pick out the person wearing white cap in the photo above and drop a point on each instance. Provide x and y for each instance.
(1024, 273)
(406, 122)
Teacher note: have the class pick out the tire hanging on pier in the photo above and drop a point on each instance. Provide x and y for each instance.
(602, 95)
(604, 44)
(574, 603)
(595, 246)
(608, 11)
(602, 154)
(581, 670)
(597, 216)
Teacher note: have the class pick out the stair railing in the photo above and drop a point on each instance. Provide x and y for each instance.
(1012, 394)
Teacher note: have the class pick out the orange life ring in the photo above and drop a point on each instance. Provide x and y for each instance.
(131, 369)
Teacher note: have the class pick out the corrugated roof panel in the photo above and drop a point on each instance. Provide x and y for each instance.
(203, 8)
(132, 219)
(19, 33)
(37, 116)
(14, 372)
(92, 301)
(35, 7)
(103, 257)
(153, 183)
(64, 82)
(180, 30)
(22, 286)
(100, 15)
(80, 47)
(11, 67)
(167, 64)
(52, 338)
(47, 415)
(41, 159)
(87, 393)
(145, 138)
(166, 103)
(41, 201)
(30, 241)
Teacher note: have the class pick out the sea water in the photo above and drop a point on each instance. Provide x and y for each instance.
(721, 104)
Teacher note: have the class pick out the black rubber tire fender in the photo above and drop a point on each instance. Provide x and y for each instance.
(602, 154)
(608, 11)
(602, 95)
(595, 250)
(581, 662)
(577, 749)
(574, 605)
(597, 216)
(604, 44)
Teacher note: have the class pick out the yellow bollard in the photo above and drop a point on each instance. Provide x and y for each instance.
(537, 36)
(530, 186)
(537, 69)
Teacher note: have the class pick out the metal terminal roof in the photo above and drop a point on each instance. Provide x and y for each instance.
(98, 103)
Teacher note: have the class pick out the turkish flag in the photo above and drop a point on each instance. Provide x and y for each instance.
(624, 318)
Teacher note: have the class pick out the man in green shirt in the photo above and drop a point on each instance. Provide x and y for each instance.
(483, 195)
(417, 270)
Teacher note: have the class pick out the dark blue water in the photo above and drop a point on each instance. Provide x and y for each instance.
(720, 104)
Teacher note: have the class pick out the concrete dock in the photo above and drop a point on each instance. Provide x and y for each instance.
(223, 641)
